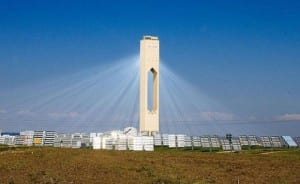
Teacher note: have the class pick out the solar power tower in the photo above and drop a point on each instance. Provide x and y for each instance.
(149, 72)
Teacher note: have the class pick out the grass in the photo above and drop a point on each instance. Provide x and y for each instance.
(62, 165)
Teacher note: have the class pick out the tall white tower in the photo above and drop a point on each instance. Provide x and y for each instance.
(149, 63)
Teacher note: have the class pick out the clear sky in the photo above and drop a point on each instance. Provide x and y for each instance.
(243, 54)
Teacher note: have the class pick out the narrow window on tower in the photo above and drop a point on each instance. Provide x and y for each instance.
(151, 90)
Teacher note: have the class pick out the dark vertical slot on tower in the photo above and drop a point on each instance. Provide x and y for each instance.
(150, 90)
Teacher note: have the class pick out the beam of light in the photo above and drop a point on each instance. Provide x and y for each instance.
(106, 97)
(182, 103)
(99, 98)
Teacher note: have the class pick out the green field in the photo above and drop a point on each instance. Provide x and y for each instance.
(62, 165)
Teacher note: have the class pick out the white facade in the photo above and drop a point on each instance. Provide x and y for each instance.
(149, 62)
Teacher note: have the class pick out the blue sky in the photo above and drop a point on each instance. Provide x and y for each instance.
(243, 54)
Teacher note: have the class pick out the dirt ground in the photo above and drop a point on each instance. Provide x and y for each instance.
(61, 165)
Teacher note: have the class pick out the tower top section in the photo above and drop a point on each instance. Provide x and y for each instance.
(148, 37)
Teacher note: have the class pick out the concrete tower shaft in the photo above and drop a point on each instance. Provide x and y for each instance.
(149, 62)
